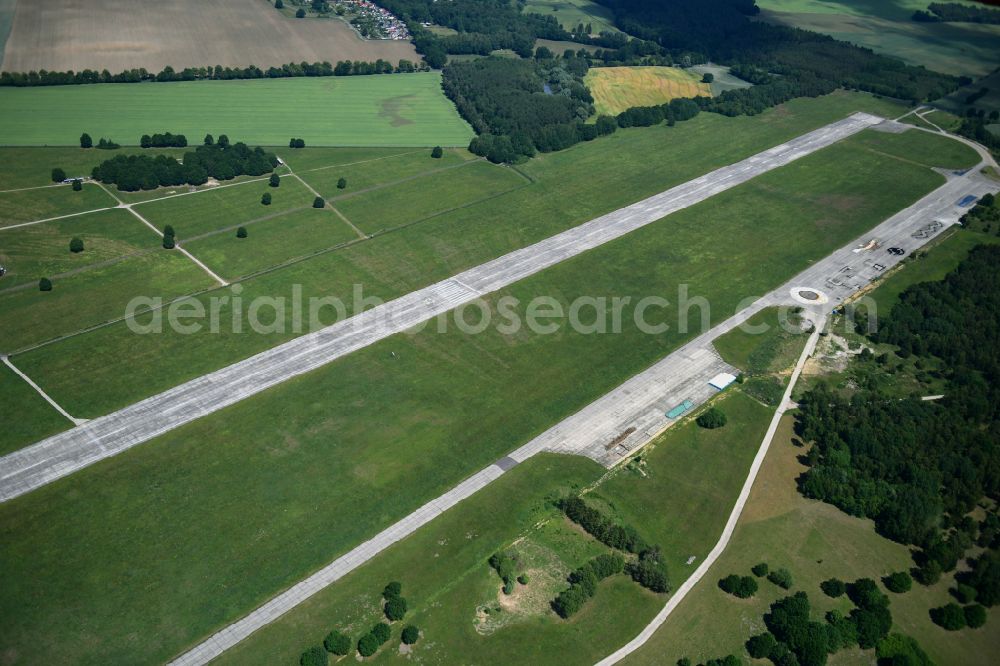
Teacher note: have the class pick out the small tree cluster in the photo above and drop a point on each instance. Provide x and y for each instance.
(296, 143)
(505, 564)
(274, 180)
(86, 141)
(165, 140)
(583, 583)
(898, 582)
(314, 656)
(781, 577)
(337, 643)
(650, 571)
(374, 639)
(169, 239)
(833, 587)
(760, 570)
(950, 616)
(713, 418)
(743, 587)
(601, 527)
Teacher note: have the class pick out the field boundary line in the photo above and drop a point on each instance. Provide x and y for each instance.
(327, 204)
(34, 187)
(347, 164)
(38, 389)
(54, 219)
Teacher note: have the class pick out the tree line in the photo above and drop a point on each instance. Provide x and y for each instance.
(217, 73)
(956, 13)
(214, 159)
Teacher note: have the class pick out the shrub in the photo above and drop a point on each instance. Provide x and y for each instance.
(168, 242)
(279, 4)
(865, 594)
(523, 579)
(77, 184)
(713, 418)
(833, 587)
(368, 645)
(950, 617)
(169, 230)
(274, 180)
(58, 175)
(781, 577)
(410, 635)
(266, 199)
(743, 587)
(760, 570)
(381, 632)
(300, 13)
(393, 589)
(395, 608)
(505, 565)
(86, 141)
(898, 582)
(76, 245)
(314, 656)
(437, 153)
(45, 284)
(650, 575)
(337, 643)
(241, 232)
(708, 77)
(341, 183)
(761, 645)
(318, 202)
(965, 594)
(900, 649)
(975, 615)
(928, 574)
(296, 143)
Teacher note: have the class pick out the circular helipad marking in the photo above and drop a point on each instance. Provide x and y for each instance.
(809, 296)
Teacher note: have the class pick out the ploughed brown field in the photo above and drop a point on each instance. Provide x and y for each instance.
(116, 35)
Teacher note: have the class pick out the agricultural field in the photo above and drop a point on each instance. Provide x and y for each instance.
(446, 578)
(886, 27)
(616, 89)
(571, 13)
(377, 110)
(111, 34)
(293, 460)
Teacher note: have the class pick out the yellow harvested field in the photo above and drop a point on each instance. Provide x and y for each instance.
(618, 88)
(117, 35)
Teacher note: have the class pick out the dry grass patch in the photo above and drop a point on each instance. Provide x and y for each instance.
(618, 88)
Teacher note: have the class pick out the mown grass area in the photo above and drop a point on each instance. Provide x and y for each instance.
(48, 202)
(768, 342)
(571, 13)
(932, 150)
(192, 215)
(961, 49)
(30, 418)
(31, 166)
(633, 164)
(432, 194)
(253, 498)
(616, 89)
(382, 110)
(272, 242)
(374, 173)
(687, 471)
(94, 296)
(42, 250)
(313, 157)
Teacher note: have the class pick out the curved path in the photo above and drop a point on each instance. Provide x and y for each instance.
(53, 458)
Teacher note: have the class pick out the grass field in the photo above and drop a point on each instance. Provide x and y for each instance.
(383, 110)
(955, 102)
(774, 350)
(444, 571)
(634, 163)
(886, 27)
(109, 34)
(723, 80)
(35, 418)
(48, 202)
(42, 250)
(232, 495)
(375, 172)
(571, 13)
(618, 88)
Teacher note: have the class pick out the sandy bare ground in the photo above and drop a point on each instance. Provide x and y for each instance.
(123, 34)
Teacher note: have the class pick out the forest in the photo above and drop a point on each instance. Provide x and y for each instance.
(214, 159)
(956, 13)
(916, 467)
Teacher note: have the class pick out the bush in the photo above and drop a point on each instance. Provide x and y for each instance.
(713, 418)
(368, 645)
(761, 645)
(318, 202)
(314, 656)
(58, 175)
(395, 608)
(296, 143)
(337, 643)
(864, 593)
(274, 180)
(169, 230)
(833, 587)
(241, 232)
(437, 153)
(743, 587)
(975, 615)
(708, 77)
(898, 582)
(928, 574)
(77, 185)
(410, 635)
(341, 183)
(900, 649)
(950, 617)
(45, 284)
(266, 199)
(965, 594)
(650, 575)
(86, 141)
(523, 579)
(760, 570)
(168, 242)
(393, 589)
(76, 245)
(381, 632)
(781, 577)
(279, 4)
(300, 13)
(873, 624)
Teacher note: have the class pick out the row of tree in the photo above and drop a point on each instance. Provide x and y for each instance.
(956, 13)
(165, 140)
(216, 73)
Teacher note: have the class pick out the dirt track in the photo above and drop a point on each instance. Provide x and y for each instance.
(114, 35)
